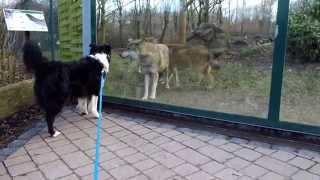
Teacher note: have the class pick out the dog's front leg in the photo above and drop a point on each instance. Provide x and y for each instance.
(93, 105)
(146, 86)
(155, 78)
(82, 106)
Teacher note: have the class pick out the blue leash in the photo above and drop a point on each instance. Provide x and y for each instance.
(97, 157)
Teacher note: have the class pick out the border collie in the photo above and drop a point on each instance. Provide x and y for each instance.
(56, 81)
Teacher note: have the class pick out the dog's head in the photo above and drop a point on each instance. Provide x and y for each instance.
(101, 53)
(132, 50)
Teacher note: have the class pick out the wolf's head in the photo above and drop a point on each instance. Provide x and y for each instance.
(132, 51)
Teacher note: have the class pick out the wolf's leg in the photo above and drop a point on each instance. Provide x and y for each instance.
(167, 79)
(82, 106)
(155, 78)
(146, 86)
(93, 105)
(177, 77)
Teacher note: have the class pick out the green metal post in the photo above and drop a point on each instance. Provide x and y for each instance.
(93, 22)
(51, 31)
(278, 60)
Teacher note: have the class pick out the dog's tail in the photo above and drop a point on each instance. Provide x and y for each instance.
(32, 56)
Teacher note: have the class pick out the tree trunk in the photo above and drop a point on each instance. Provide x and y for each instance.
(182, 23)
(166, 22)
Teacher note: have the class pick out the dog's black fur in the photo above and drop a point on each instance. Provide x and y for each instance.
(56, 81)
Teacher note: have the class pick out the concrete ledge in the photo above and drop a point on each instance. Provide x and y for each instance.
(15, 97)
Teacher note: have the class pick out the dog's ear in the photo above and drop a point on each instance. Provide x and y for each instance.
(92, 45)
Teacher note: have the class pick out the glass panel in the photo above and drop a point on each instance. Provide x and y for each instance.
(220, 54)
(301, 87)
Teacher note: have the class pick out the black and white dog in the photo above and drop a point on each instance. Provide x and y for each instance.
(56, 81)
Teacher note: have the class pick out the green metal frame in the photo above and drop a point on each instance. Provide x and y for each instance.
(272, 121)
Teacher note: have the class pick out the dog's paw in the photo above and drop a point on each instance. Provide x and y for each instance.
(144, 98)
(95, 114)
(81, 111)
(56, 133)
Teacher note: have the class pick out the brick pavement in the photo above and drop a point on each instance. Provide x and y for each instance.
(140, 148)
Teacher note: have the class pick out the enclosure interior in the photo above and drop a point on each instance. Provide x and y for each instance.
(222, 54)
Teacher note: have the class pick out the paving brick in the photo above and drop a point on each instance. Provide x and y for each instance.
(272, 176)
(36, 175)
(145, 164)
(121, 133)
(216, 154)
(276, 166)
(283, 155)
(69, 148)
(135, 158)
(102, 175)
(84, 170)
(2, 169)
(54, 170)
(181, 138)
(124, 172)
(176, 178)
(117, 146)
(159, 173)
(167, 159)
(125, 152)
(265, 151)
(139, 177)
(151, 135)
(248, 154)
(21, 168)
(194, 143)
(228, 174)
(185, 169)
(17, 160)
(254, 171)
(160, 140)
(171, 133)
(44, 158)
(237, 163)
(200, 175)
(230, 147)
(218, 141)
(301, 162)
(5, 177)
(76, 159)
(245, 178)
(212, 167)
(315, 169)
(70, 177)
(192, 157)
(57, 144)
(76, 135)
(20, 152)
(148, 149)
(113, 163)
(172, 146)
(39, 151)
(85, 143)
(307, 153)
(35, 145)
(304, 175)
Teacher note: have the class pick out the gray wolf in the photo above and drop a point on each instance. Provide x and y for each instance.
(56, 81)
(153, 58)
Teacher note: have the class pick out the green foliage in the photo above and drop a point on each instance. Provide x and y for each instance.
(304, 32)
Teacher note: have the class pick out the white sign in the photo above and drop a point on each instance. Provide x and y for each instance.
(25, 20)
